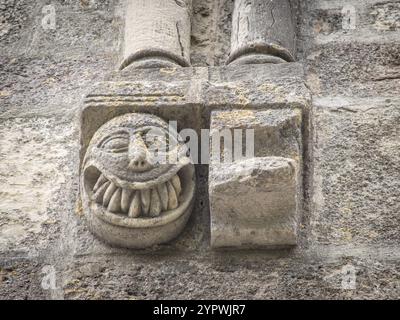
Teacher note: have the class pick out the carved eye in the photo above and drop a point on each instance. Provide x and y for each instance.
(116, 144)
(154, 138)
(157, 142)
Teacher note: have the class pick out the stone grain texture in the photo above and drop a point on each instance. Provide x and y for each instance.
(262, 32)
(121, 194)
(351, 189)
(357, 172)
(255, 202)
(157, 33)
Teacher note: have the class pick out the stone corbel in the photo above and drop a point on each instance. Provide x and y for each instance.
(256, 201)
(128, 200)
(253, 202)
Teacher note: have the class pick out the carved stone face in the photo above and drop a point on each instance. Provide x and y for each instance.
(136, 176)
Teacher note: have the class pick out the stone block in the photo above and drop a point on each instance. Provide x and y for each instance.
(368, 69)
(35, 183)
(277, 133)
(356, 179)
(21, 279)
(254, 202)
(230, 276)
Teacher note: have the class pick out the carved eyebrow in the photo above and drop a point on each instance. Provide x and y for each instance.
(113, 135)
(120, 132)
(147, 129)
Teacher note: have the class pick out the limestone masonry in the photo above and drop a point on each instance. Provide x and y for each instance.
(199, 149)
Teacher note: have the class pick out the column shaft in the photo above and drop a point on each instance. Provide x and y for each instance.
(263, 31)
(157, 33)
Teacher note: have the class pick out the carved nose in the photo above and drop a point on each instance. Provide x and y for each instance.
(139, 162)
(138, 157)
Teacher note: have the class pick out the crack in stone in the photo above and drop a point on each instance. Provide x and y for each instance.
(384, 78)
(180, 3)
(238, 28)
(180, 40)
(272, 15)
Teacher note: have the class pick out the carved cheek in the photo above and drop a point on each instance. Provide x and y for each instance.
(117, 163)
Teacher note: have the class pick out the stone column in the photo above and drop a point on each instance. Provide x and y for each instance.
(263, 31)
(157, 33)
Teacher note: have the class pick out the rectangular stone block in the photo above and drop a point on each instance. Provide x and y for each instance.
(35, 183)
(254, 202)
(356, 178)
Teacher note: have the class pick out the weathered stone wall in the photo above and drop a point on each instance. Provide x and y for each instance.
(349, 222)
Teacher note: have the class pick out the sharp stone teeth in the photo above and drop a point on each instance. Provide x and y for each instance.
(145, 197)
(99, 194)
(108, 194)
(155, 204)
(125, 199)
(100, 181)
(147, 202)
(115, 202)
(172, 199)
(135, 209)
(163, 194)
(176, 182)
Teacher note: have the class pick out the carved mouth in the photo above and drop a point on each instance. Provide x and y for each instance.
(130, 197)
(151, 202)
